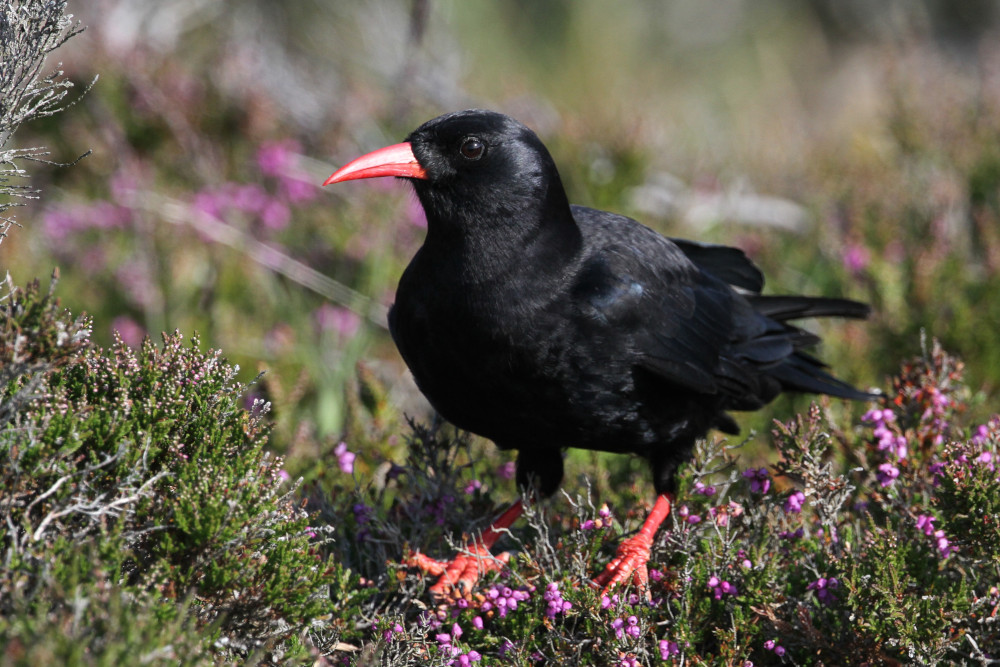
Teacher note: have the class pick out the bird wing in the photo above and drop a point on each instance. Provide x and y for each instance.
(681, 321)
(675, 302)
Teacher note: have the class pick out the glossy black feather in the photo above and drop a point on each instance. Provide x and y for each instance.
(543, 326)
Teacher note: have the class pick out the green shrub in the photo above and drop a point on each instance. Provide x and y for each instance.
(136, 485)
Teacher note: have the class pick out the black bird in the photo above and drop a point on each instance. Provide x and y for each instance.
(541, 325)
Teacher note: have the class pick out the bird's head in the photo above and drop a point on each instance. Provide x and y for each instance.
(471, 168)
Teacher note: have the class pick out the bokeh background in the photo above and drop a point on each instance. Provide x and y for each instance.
(852, 148)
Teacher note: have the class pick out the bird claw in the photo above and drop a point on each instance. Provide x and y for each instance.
(457, 577)
(629, 561)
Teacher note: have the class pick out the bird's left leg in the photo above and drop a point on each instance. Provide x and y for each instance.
(457, 576)
(633, 554)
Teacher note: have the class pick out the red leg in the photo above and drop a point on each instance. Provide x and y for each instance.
(633, 553)
(464, 570)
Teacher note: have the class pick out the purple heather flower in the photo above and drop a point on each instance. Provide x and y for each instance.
(925, 524)
(275, 158)
(986, 459)
(632, 630)
(936, 469)
(275, 215)
(394, 630)
(887, 474)
(466, 659)
(684, 512)
(345, 323)
(345, 459)
(209, 203)
(760, 479)
(556, 605)
(720, 588)
(769, 645)
(503, 599)
(856, 258)
(668, 649)
(477, 622)
(363, 516)
(506, 471)
(793, 503)
(792, 534)
(247, 197)
(887, 439)
(472, 487)
(131, 331)
(824, 588)
(297, 190)
(704, 490)
(943, 545)
(981, 435)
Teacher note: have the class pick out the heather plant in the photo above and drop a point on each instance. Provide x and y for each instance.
(139, 500)
(29, 32)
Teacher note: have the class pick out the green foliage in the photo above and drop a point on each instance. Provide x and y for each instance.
(137, 478)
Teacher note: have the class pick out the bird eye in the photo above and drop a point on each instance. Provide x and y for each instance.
(472, 148)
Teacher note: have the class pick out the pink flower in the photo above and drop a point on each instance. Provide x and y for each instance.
(339, 320)
(131, 331)
(856, 258)
(824, 588)
(506, 471)
(943, 545)
(275, 158)
(275, 215)
(345, 459)
(720, 588)
(760, 479)
(793, 503)
(297, 191)
(704, 490)
(887, 474)
(668, 649)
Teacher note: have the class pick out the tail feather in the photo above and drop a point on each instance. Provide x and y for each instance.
(802, 372)
(787, 307)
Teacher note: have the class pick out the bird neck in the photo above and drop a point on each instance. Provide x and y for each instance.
(491, 241)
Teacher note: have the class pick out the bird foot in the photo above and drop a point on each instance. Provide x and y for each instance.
(629, 561)
(457, 577)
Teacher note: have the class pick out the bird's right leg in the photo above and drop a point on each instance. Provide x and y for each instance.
(457, 576)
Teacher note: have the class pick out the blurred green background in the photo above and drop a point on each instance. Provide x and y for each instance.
(851, 148)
